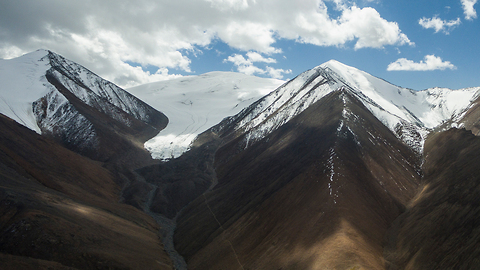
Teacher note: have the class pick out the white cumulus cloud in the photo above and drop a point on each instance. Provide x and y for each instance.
(430, 62)
(106, 35)
(469, 10)
(370, 29)
(247, 65)
(364, 26)
(256, 57)
(230, 4)
(277, 73)
(439, 24)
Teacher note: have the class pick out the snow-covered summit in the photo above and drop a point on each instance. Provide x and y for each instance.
(407, 113)
(194, 104)
(38, 91)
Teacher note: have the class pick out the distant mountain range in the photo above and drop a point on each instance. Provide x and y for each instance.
(334, 169)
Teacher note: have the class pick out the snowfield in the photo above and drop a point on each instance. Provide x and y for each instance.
(194, 104)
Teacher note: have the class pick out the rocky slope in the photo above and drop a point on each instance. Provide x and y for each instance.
(440, 229)
(60, 210)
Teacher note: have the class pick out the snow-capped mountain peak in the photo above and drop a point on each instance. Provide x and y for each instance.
(47, 93)
(428, 108)
(408, 114)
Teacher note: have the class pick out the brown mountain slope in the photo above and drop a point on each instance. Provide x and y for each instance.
(318, 193)
(441, 228)
(59, 210)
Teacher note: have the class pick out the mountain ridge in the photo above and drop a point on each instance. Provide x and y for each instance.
(331, 170)
(220, 221)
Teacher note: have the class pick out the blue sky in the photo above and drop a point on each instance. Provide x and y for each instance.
(414, 44)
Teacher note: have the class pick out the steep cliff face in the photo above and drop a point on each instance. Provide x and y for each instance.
(64, 209)
(61, 99)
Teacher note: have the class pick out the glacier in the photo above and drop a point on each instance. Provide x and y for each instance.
(193, 104)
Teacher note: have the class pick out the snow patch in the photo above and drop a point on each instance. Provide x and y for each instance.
(331, 167)
(23, 82)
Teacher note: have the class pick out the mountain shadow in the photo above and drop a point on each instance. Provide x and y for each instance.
(441, 227)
